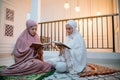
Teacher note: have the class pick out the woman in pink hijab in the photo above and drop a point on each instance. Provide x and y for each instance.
(28, 60)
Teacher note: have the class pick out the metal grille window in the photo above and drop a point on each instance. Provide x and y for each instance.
(9, 30)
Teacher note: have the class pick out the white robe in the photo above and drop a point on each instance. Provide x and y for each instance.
(73, 60)
(76, 56)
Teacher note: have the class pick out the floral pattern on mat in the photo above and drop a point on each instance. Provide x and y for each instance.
(93, 69)
(92, 72)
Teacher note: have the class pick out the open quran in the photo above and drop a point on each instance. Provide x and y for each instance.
(38, 45)
(60, 44)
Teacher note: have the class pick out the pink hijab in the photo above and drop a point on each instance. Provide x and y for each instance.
(22, 49)
(25, 34)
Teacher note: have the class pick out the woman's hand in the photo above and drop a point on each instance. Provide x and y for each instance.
(62, 51)
(39, 50)
(54, 46)
(40, 53)
(58, 48)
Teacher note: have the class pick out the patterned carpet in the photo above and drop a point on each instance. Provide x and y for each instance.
(91, 72)
(27, 77)
(93, 69)
(67, 76)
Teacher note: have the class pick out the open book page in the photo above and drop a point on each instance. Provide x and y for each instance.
(38, 45)
(60, 44)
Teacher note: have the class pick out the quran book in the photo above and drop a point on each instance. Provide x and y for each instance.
(60, 44)
(38, 45)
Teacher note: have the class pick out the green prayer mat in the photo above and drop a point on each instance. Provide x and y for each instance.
(27, 77)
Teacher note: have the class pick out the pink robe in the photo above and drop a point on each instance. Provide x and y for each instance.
(26, 58)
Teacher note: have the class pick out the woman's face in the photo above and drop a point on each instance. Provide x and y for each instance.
(69, 29)
(32, 30)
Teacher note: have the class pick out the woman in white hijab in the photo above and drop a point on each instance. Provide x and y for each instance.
(72, 60)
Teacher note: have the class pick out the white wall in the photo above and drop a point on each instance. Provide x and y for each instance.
(21, 8)
(54, 9)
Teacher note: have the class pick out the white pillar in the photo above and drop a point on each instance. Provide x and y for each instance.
(35, 10)
(119, 21)
(39, 16)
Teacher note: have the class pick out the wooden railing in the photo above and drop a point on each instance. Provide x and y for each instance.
(98, 31)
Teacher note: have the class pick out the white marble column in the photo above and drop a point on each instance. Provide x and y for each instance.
(35, 10)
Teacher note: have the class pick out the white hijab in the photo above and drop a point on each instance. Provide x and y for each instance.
(73, 24)
(75, 34)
